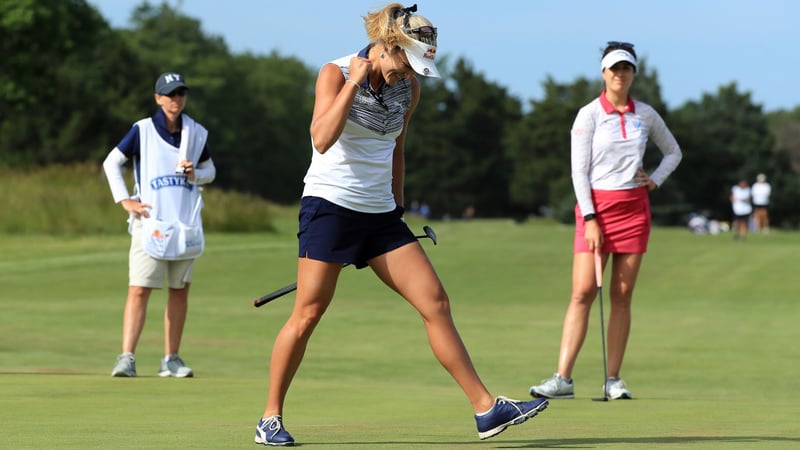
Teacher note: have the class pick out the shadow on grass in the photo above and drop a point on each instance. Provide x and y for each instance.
(655, 440)
(577, 443)
(49, 372)
(46, 372)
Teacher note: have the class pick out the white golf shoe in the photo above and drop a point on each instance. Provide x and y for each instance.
(616, 389)
(554, 387)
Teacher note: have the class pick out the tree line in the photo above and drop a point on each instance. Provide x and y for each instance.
(71, 86)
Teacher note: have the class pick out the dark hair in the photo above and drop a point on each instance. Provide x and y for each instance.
(619, 45)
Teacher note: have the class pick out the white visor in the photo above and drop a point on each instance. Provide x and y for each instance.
(421, 56)
(616, 56)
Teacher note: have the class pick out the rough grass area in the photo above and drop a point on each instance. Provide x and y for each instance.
(76, 199)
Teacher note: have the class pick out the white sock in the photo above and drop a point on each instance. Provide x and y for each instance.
(486, 412)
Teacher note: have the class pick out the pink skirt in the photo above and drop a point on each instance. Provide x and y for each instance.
(624, 218)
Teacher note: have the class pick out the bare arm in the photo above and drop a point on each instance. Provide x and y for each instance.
(334, 98)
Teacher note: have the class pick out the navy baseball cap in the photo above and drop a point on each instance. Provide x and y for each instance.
(168, 82)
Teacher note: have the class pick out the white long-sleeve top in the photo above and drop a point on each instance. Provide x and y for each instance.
(130, 148)
(156, 153)
(204, 173)
(607, 148)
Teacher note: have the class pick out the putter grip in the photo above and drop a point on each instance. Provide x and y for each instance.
(598, 267)
(273, 295)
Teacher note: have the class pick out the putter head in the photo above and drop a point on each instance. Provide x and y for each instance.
(430, 233)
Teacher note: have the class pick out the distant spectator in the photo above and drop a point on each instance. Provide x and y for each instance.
(424, 210)
(414, 210)
(698, 223)
(742, 208)
(760, 192)
(469, 213)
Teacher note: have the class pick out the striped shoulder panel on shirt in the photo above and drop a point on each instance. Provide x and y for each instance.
(381, 115)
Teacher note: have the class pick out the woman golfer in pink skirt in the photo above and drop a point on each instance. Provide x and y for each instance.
(609, 137)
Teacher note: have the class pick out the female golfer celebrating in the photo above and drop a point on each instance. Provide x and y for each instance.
(351, 212)
(609, 137)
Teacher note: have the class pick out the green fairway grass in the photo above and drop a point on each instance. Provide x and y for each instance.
(713, 359)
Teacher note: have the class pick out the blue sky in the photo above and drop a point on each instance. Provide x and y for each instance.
(695, 46)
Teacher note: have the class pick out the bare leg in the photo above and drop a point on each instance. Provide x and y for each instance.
(762, 219)
(175, 319)
(625, 270)
(134, 317)
(758, 218)
(316, 283)
(408, 271)
(740, 227)
(576, 320)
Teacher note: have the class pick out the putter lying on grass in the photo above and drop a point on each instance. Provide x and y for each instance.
(429, 233)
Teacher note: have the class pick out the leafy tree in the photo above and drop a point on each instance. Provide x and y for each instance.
(785, 126)
(70, 87)
(785, 167)
(257, 109)
(455, 151)
(55, 70)
(428, 146)
(266, 131)
(164, 41)
(724, 138)
(539, 147)
(38, 35)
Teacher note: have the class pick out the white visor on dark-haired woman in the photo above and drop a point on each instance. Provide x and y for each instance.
(617, 56)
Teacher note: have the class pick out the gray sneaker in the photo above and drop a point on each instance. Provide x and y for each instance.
(554, 387)
(173, 366)
(616, 389)
(125, 367)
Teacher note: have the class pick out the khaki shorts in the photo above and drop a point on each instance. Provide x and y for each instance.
(146, 271)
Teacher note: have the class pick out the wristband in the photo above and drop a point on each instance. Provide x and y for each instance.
(355, 83)
(589, 217)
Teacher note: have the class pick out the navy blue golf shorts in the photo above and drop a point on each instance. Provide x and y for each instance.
(331, 233)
